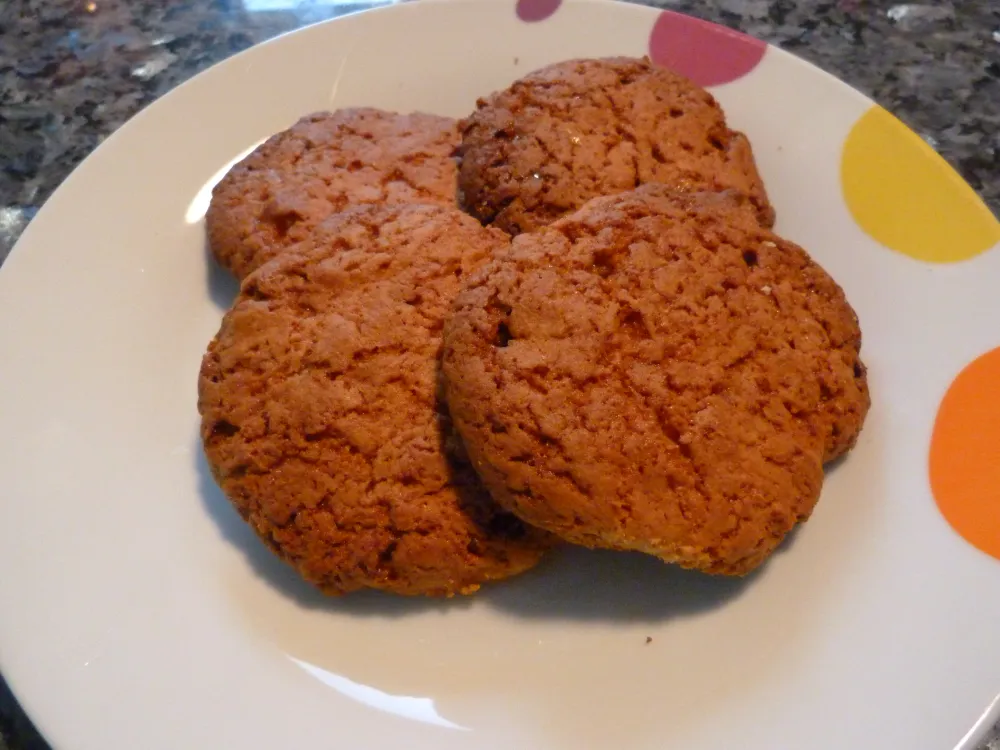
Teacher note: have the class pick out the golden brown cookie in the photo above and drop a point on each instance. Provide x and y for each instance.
(321, 414)
(323, 164)
(657, 372)
(585, 128)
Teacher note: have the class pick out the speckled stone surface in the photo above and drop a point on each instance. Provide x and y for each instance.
(72, 71)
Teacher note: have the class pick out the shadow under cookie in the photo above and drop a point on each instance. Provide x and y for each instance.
(575, 583)
(222, 286)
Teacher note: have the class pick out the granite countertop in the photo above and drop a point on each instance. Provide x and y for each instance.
(72, 71)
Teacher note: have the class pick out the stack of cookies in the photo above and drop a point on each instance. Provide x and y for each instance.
(565, 318)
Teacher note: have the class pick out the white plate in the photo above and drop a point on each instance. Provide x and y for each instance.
(138, 611)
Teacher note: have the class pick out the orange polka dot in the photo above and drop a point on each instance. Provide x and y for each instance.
(965, 454)
(905, 196)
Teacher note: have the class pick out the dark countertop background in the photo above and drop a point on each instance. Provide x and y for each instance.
(73, 71)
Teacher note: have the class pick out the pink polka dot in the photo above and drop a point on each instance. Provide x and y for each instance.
(536, 10)
(706, 53)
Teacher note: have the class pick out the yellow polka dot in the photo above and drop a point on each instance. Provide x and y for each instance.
(908, 198)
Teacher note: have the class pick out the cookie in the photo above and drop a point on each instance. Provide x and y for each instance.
(323, 164)
(657, 372)
(585, 128)
(322, 419)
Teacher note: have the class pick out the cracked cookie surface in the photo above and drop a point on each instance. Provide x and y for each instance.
(325, 163)
(585, 128)
(322, 418)
(657, 372)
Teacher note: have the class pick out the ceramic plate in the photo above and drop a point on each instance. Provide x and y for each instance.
(139, 612)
